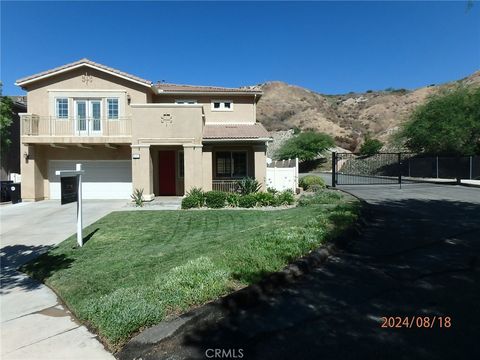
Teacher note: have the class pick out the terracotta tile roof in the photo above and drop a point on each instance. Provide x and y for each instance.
(88, 62)
(167, 87)
(235, 131)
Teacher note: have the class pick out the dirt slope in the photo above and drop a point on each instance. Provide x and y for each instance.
(347, 117)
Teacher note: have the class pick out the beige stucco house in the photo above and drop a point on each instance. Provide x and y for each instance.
(129, 133)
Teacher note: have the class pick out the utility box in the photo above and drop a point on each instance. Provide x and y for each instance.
(14, 190)
(4, 192)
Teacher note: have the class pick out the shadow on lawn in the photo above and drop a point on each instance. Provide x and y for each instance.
(89, 236)
(415, 257)
(15, 256)
(19, 259)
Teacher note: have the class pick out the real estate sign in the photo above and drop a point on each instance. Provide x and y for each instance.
(69, 187)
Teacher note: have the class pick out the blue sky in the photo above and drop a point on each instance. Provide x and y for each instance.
(329, 47)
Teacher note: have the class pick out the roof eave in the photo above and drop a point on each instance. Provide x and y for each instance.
(26, 81)
(166, 92)
(265, 139)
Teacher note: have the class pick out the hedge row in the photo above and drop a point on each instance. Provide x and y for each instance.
(196, 198)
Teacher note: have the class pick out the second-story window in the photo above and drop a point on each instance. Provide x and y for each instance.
(222, 105)
(112, 105)
(62, 108)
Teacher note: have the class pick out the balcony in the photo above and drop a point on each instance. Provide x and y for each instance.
(39, 129)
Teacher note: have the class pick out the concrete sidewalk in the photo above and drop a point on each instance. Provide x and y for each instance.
(33, 323)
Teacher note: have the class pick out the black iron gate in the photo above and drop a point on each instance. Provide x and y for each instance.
(356, 169)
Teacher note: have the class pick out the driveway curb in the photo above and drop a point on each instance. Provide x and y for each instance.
(208, 314)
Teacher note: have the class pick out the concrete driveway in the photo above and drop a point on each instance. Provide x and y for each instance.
(419, 255)
(33, 323)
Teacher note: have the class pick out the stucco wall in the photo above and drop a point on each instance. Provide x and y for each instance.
(167, 125)
(38, 92)
(243, 107)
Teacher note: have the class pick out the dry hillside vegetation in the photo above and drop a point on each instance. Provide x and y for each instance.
(348, 118)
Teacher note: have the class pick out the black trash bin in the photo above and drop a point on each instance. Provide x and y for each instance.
(15, 193)
(4, 193)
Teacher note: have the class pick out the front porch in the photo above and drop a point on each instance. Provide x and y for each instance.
(172, 170)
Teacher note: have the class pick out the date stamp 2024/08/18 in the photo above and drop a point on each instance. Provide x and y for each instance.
(419, 322)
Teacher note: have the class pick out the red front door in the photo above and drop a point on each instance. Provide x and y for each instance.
(166, 168)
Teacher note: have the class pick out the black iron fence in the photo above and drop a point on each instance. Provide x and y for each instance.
(392, 168)
(441, 167)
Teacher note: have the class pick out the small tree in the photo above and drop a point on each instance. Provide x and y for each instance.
(6, 119)
(370, 146)
(448, 123)
(306, 146)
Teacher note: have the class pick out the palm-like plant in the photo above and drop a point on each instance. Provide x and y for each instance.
(137, 197)
(248, 186)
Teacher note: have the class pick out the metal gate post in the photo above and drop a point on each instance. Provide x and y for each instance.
(400, 169)
(459, 176)
(334, 168)
(471, 167)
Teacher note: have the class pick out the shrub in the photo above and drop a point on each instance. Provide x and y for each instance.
(189, 202)
(232, 199)
(137, 197)
(196, 192)
(248, 186)
(247, 201)
(195, 198)
(307, 181)
(272, 190)
(215, 199)
(316, 188)
(371, 147)
(265, 199)
(285, 198)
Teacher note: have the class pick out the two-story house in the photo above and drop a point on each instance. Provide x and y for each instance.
(130, 133)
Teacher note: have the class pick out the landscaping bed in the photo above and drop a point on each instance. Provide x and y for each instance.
(137, 268)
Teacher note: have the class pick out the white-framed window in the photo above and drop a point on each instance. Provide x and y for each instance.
(231, 164)
(183, 101)
(61, 108)
(222, 105)
(112, 108)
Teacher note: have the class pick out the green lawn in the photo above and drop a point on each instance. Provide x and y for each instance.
(140, 266)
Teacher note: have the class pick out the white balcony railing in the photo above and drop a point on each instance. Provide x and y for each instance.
(34, 125)
(225, 185)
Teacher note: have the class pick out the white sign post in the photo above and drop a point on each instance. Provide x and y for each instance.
(78, 173)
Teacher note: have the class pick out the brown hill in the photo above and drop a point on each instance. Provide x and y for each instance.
(347, 117)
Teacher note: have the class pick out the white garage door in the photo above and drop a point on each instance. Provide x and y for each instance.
(103, 179)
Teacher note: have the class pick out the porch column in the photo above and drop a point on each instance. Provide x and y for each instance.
(32, 177)
(207, 168)
(193, 176)
(142, 171)
(260, 159)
